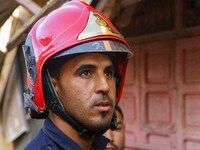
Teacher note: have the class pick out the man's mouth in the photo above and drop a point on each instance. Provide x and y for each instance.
(112, 147)
(104, 106)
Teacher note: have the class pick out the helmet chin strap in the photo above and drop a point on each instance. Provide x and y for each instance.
(53, 103)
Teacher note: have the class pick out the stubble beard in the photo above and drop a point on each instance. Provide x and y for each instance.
(84, 121)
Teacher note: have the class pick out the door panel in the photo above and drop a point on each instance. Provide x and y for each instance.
(158, 95)
(188, 79)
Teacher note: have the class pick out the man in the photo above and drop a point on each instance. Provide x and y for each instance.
(76, 62)
(117, 137)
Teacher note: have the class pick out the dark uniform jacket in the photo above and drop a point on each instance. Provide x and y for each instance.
(51, 138)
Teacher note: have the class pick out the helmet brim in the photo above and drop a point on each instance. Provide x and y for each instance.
(98, 46)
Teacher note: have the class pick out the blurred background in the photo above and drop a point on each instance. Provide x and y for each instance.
(161, 98)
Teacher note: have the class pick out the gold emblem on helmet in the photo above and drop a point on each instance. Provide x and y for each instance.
(96, 26)
(100, 21)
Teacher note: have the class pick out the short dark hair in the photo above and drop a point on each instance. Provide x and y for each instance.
(117, 107)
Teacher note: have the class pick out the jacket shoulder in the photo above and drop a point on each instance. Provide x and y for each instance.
(42, 142)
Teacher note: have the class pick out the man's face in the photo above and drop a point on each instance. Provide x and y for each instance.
(87, 90)
(117, 137)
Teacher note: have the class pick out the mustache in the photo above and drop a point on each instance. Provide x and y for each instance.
(103, 99)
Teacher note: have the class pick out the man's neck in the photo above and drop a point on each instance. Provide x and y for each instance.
(71, 132)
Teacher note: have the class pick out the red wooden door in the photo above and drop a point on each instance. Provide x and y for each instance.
(188, 79)
(161, 99)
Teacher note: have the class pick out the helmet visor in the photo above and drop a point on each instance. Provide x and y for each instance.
(101, 46)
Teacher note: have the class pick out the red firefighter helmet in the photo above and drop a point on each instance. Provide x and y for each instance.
(73, 28)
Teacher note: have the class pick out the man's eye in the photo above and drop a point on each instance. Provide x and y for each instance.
(110, 74)
(119, 128)
(86, 73)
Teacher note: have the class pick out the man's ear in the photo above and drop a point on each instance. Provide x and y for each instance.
(55, 84)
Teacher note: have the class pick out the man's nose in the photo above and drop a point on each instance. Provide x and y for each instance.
(109, 135)
(102, 84)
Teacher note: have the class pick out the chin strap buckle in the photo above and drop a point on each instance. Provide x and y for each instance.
(28, 99)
